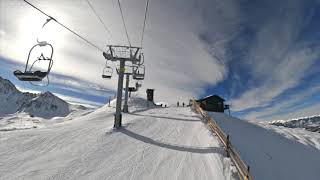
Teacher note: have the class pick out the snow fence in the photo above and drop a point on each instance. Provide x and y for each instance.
(242, 167)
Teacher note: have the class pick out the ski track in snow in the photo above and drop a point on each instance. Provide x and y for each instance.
(161, 143)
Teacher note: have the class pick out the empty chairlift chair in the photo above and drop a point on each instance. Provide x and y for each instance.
(107, 72)
(139, 72)
(140, 60)
(29, 73)
(138, 85)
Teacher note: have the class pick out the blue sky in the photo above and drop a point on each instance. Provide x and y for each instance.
(262, 56)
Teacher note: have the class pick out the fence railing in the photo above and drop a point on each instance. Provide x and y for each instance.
(243, 169)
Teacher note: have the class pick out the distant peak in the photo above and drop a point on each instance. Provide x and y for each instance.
(47, 93)
(6, 84)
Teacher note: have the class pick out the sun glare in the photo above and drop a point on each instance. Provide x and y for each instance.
(31, 29)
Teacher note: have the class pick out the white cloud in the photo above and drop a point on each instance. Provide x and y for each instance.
(287, 74)
(78, 101)
(303, 112)
(285, 106)
(176, 59)
(277, 60)
(69, 99)
(2, 33)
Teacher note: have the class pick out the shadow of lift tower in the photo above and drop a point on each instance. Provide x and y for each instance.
(122, 54)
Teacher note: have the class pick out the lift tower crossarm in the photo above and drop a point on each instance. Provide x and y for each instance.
(121, 54)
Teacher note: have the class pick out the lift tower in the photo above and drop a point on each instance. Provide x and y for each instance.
(122, 54)
(127, 73)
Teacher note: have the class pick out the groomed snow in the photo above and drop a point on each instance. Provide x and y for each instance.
(270, 154)
(303, 136)
(159, 143)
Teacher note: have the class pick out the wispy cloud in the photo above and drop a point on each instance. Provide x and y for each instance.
(278, 58)
(287, 74)
(289, 107)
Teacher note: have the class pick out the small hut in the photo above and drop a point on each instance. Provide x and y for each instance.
(212, 103)
(150, 93)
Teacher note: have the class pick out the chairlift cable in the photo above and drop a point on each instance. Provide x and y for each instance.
(144, 22)
(124, 23)
(75, 33)
(97, 15)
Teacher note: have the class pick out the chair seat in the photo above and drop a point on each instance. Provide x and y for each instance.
(106, 76)
(30, 75)
(137, 77)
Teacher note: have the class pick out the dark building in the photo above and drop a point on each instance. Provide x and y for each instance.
(212, 103)
(150, 94)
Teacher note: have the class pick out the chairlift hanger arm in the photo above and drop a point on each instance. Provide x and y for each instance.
(47, 44)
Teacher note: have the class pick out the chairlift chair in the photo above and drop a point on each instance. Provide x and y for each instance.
(140, 60)
(132, 89)
(31, 75)
(139, 72)
(107, 72)
(108, 55)
(138, 85)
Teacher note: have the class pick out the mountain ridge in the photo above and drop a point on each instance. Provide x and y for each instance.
(311, 123)
(45, 105)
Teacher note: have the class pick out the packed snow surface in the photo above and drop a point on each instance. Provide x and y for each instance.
(154, 143)
(270, 154)
(301, 135)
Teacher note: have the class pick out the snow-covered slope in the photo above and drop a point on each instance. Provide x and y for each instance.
(45, 105)
(270, 154)
(301, 135)
(154, 143)
(309, 123)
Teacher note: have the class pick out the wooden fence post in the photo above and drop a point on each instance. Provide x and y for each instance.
(248, 168)
(228, 146)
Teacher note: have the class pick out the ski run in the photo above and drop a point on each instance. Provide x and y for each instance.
(155, 143)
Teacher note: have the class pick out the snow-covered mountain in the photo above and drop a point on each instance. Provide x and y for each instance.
(45, 105)
(308, 123)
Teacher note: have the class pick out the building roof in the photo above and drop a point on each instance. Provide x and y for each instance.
(212, 96)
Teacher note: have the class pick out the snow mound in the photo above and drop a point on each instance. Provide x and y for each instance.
(270, 154)
(309, 123)
(138, 104)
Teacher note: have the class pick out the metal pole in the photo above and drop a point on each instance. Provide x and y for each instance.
(125, 106)
(118, 116)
